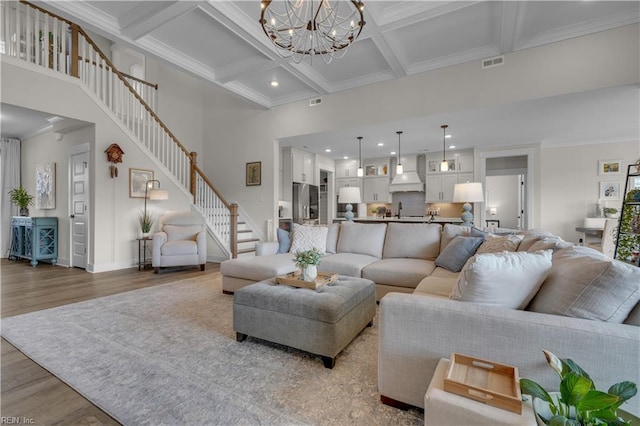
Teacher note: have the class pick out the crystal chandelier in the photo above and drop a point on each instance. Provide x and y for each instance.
(302, 28)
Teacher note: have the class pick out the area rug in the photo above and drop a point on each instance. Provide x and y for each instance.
(167, 355)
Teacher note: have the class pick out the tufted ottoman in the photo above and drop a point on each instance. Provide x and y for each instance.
(322, 321)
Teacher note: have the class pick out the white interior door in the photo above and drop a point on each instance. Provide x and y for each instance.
(79, 216)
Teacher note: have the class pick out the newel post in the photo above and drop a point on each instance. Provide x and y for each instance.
(233, 223)
(192, 167)
(74, 51)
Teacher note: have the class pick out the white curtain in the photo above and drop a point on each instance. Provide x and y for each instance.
(9, 179)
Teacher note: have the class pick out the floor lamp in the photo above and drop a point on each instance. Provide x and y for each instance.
(349, 195)
(467, 193)
(152, 193)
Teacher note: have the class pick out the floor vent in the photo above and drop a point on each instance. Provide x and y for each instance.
(493, 62)
(314, 102)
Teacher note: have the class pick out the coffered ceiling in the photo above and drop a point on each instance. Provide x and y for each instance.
(222, 42)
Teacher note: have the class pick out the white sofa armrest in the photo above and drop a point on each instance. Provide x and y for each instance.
(201, 241)
(416, 331)
(266, 248)
(159, 238)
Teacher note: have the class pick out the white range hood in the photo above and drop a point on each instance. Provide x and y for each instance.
(409, 181)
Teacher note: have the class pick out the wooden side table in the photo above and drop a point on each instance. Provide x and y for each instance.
(144, 253)
(442, 408)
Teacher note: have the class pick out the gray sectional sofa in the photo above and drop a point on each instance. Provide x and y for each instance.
(582, 305)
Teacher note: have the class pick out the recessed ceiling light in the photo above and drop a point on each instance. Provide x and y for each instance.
(274, 83)
(392, 153)
(448, 136)
(345, 158)
(380, 144)
(327, 150)
(452, 146)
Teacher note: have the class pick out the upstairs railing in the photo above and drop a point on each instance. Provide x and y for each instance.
(69, 50)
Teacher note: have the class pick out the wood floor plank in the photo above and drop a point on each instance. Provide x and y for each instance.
(30, 393)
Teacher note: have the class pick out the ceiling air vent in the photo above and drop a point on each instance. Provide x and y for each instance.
(314, 102)
(492, 62)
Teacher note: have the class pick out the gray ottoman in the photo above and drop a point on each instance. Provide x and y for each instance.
(322, 322)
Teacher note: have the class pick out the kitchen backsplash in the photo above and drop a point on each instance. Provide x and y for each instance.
(412, 203)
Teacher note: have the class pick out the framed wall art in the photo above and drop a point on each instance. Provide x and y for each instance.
(45, 186)
(254, 173)
(609, 167)
(137, 180)
(609, 190)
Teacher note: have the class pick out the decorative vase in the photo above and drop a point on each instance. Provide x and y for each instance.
(310, 273)
(24, 211)
(145, 235)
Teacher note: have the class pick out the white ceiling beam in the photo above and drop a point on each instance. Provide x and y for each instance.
(148, 16)
(510, 25)
(418, 11)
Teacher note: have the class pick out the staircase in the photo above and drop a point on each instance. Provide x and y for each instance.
(69, 50)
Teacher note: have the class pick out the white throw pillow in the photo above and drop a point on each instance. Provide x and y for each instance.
(507, 279)
(307, 237)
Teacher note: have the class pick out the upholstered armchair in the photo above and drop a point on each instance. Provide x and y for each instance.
(181, 240)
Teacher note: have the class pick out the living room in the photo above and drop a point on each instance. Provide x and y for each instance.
(229, 132)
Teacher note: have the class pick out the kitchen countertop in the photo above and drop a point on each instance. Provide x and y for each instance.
(416, 219)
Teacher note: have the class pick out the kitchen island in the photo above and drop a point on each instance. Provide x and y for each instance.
(406, 219)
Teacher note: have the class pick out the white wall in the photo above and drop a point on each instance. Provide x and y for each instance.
(570, 182)
(237, 132)
(114, 214)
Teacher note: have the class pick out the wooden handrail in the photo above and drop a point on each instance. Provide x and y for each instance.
(47, 12)
(139, 80)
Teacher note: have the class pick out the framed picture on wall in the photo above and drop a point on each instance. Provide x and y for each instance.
(137, 180)
(609, 167)
(254, 174)
(610, 190)
(46, 186)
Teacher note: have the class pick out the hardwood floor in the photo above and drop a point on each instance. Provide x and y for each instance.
(30, 394)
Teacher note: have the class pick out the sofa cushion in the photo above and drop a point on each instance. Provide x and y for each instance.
(412, 240)
(457, 252)
(362, 238)
(499, 243)
(443, 273)
(350, 264)
(284, 240)
(259, 268)
(436, 286)
(507, 279)
(450, 231)
(307, 237)
(634, 316)
(179, 248)
(186, 232)
(584, 283)
(399, 272)
(332, 238)
(549, 243)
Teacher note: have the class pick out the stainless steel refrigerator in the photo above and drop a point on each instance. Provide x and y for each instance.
(305, 202)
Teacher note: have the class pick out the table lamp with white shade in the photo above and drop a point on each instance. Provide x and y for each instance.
(349, 195)
(469, 192)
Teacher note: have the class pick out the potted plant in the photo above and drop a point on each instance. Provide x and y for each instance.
(308, 262)
(146, 221)
(22, 199)
(611, 212)
(578, 403)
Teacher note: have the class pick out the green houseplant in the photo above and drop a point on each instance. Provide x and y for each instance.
(22, 199)
(145, 221)
(579, 403)
(308, 261)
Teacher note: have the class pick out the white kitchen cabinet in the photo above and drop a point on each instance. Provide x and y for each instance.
(376, 190)
(350, 182)
(439, 188)
(465, 163)
(346, 169)
(465, 177)
(303, 167)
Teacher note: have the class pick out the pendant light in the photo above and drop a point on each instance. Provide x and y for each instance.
(399, 168)
(360, 169)
(444, 166)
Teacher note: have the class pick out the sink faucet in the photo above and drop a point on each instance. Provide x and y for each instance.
(399, 209)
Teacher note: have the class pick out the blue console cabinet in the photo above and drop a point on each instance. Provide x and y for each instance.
(35, 238)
